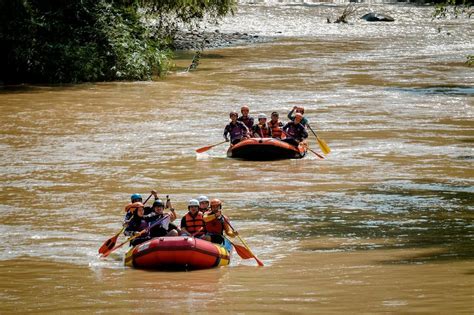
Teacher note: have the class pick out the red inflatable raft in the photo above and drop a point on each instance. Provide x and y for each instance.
(178, 252)
(265, 149)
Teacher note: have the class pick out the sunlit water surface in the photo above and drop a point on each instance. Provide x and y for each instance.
(384, 224)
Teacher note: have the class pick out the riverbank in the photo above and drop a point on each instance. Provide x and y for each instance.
(200, 40)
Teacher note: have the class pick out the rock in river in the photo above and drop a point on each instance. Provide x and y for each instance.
(377, 17)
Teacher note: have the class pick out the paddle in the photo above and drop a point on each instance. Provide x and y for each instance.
(322, 144)
(206, 148)
(147, 199)
(104, 255)
(241, 250)
(168, 202)
(315, 153)
(244, 252)
(306, 146)
(110, 243)
(173, 213)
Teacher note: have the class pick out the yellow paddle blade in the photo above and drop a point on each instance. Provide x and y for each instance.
(324, 147)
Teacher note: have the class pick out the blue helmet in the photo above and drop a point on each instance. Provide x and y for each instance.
(136, 197)
(158, 203)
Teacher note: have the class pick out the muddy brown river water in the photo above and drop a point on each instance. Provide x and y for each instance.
(383, 225)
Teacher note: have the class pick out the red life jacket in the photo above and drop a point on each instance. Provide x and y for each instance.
(193, 224)
(276, 129)
(215, 226)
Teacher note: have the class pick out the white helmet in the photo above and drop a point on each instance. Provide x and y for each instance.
(261, 115)
(193, 202)
(202, 198)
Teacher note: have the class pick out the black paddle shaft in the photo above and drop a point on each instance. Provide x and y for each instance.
(314, 133)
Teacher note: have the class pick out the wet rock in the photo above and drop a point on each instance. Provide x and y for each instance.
(377, 17)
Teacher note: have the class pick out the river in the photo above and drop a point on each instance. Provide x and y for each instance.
(383, 225)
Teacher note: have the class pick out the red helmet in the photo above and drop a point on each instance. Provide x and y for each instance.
(245, 107)
(233, 114)
(216, 202)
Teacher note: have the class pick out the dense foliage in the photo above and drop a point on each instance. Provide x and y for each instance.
(453, 8)
(91, 40)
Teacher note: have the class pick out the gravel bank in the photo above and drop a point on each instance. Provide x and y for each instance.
(196, 40)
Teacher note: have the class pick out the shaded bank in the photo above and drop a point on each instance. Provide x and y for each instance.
(106, 40)
(199, 40)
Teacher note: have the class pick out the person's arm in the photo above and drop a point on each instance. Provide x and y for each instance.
(183, 225)
(128, 232)
(290, 114)
(226, 132)
(228, 230)
(244, 129)
(130, 229)
(148, 210)
(255, 131)
(304, 121)
(128, 217)
(198, 231)
(208, 217)
(172, 214)
(149, 217)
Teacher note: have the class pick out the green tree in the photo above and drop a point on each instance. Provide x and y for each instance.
(92, 40)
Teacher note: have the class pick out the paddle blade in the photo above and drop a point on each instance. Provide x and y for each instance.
(109, 251)
(204, 149)
(108, 245)
(323, 145)
(243, 252)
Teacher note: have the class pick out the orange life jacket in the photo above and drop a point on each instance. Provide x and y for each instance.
(215, 226)
(193, 224)
(261, 131)
(276, 129)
